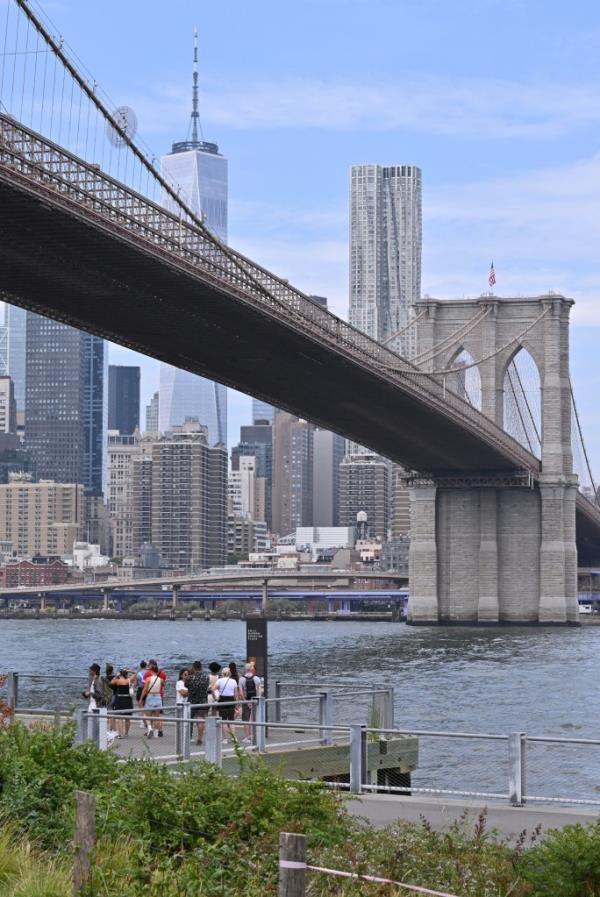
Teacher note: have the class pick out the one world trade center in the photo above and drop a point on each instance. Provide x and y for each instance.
(196, 167)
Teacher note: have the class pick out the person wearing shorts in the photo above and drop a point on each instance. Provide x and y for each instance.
(249, 686)
(228, 692)
(152, 700)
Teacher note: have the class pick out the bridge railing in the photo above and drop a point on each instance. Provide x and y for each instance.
(47, 168)
(514, 768)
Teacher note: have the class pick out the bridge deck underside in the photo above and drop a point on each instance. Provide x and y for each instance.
(59, 264)
(63, 267)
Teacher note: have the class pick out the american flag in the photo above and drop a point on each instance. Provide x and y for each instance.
(492, 276)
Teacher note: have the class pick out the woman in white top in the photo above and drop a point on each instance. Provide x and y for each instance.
(181, 692)
(227, 690)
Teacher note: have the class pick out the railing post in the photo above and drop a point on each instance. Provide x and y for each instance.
(212, 740)
(179, 731)
(85, 836)
(80, 726)
(325, 735)
(261, 719)
(13, 690)
(357, 758)
(186, 739)
(292, 865)
(388, 709)
(278, 695)
(102, 736)
(517, 768)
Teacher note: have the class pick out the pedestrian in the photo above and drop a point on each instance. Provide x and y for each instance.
(109, 675)
(123, 702)
(249, 686)
(197, 684)
(181, 692)
(94, 692)
(139, 683)
(226, 690)
(215, 669)
(153, 665)
(233, 671)
(152, 699)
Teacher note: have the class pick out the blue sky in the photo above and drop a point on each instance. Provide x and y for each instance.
(498, 101)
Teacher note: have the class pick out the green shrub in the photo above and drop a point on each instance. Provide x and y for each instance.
(566, 863)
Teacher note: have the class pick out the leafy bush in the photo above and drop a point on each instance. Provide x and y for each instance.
(566, 863)
(196, 832)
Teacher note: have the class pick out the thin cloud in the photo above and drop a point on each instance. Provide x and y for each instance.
(473, 108)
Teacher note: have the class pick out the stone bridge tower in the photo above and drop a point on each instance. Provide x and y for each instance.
(498, 548)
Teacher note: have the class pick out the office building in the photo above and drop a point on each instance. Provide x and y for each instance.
(364, 487)
(121, 452)
(328, 454)
(15, 321)
(152, 415)
(197, 169)
(292, 496)
(65, 409)
(43, 518)
(262, 412)
(8, 407)
(123, 398)
(400, 523)
(141, 525)
(257, 441)
(385, 250)
(180, 499)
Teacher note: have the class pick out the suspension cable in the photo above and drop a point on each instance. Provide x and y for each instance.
(427, 355)
(519, 412)
(402, 330)
(493, 354)
(582, 440)
(526, 400)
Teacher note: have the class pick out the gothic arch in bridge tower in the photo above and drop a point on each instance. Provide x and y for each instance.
(522, 399)
(499, 548)
(465, 383)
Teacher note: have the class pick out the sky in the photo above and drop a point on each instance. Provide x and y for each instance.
(498, 102)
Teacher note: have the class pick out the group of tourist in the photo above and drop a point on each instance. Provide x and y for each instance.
(221, 690)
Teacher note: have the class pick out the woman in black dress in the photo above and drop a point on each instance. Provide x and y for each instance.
(123, 701)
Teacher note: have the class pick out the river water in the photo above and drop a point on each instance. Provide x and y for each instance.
(541, 681)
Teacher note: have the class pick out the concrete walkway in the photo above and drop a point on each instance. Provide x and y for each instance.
(509, 822)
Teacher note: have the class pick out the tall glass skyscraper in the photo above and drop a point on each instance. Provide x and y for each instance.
(65, 403)
(196, 167)
(385, 250)
(15, 320)
(184, 395)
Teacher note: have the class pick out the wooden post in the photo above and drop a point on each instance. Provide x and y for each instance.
(85, 835)
(292, 865)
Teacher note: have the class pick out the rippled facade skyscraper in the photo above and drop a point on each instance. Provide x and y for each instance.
(385, 251)
(197, 168)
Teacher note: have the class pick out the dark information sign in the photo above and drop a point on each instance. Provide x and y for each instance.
(256, 646)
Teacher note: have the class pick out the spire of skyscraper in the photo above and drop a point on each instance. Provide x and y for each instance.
(196, 126)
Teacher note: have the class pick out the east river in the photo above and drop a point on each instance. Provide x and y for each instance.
(542, 681)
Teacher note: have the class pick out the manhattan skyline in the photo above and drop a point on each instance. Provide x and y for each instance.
(509, 155)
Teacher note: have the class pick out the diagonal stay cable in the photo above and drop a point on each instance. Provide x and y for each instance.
(511, 342)
(428, 354)
(585, 454)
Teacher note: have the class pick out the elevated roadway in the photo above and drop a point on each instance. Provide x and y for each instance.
(78, 246)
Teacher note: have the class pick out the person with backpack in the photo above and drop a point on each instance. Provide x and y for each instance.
(249, 686)
(197, 685)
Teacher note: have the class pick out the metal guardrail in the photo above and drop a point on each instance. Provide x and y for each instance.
(38, 163)
(514, 759)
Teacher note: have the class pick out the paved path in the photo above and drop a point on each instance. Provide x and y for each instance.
(382, 809)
